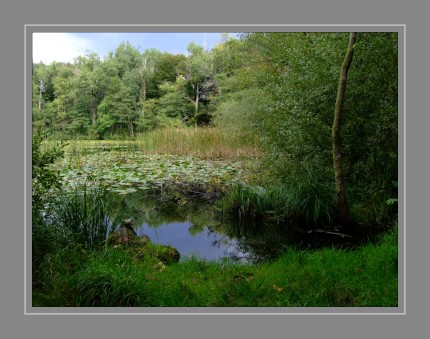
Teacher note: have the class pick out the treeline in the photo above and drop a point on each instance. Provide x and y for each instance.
(127, 92)
(278, 87)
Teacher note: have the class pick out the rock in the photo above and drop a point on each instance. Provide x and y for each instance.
(125, 238)
(128, 224)
(125, 235)
(168, 255)
(141, 240)
(122, 236)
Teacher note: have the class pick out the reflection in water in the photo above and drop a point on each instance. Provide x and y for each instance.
(195, 229)
(206, 244)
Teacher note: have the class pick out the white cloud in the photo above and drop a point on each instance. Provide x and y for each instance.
(61, 47)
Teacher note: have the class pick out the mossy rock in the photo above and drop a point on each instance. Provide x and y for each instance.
(141, 240)
(126, 236)
(122, 236)
(168, 255)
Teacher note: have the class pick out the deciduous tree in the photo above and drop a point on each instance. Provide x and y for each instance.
(342, 201)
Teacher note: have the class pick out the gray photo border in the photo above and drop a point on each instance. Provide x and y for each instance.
(400, 310)
(14, 323)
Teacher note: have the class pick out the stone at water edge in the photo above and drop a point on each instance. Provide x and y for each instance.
(126, 235)
(122, 236)
(128, 224)
(169, 255)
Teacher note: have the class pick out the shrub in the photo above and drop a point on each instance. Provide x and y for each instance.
(44, 237)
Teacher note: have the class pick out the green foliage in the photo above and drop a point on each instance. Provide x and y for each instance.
(148, 119)
(305, 201)
(237, 112)
(84, 213)
(168, 68)
(44, 179)
(45, 238)
(271, 97)
(175, 102)
(126, 172)
(296, 76)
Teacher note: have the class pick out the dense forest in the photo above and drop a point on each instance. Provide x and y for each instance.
(316, 112)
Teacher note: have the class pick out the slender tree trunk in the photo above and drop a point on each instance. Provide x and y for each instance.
(197, 99)
(42, 87)
(130, 124)
(143, 97)
(94, 111)
(40, 102)
(343, 209)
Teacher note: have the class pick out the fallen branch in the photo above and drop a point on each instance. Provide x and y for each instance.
(318, 230)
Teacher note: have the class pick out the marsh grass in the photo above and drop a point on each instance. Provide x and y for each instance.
(326, 277)
(203, 143)
(303, 201)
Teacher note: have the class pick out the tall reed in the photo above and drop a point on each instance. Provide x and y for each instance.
(205, 143)
(84, 213)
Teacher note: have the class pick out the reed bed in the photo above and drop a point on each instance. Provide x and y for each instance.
(204, 143)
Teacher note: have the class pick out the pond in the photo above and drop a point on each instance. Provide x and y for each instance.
(198, 229)
(139, 188)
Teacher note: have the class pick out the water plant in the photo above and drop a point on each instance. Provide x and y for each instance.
(129, 172)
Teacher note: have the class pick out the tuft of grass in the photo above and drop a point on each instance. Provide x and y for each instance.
(306, 201)
(84, 213)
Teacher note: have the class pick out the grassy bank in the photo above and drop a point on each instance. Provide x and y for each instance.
(326, 277)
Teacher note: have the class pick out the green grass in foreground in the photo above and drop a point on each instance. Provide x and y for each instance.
(327, 277)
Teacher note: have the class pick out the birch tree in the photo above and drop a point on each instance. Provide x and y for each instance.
(342, 202)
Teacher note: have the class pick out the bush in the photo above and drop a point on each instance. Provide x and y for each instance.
(44, 237)
(43, 178)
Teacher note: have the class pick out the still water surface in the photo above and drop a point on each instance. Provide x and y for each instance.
(206, 244)
(198, 230)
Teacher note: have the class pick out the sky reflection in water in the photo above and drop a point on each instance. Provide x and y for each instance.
(206, 244)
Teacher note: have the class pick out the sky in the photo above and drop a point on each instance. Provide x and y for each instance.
(64, 47)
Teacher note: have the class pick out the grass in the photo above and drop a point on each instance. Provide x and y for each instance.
(321, 278)
(306, 201)
(203, 143)
(84, 213)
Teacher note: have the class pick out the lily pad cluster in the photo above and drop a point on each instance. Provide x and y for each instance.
(131, 171)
